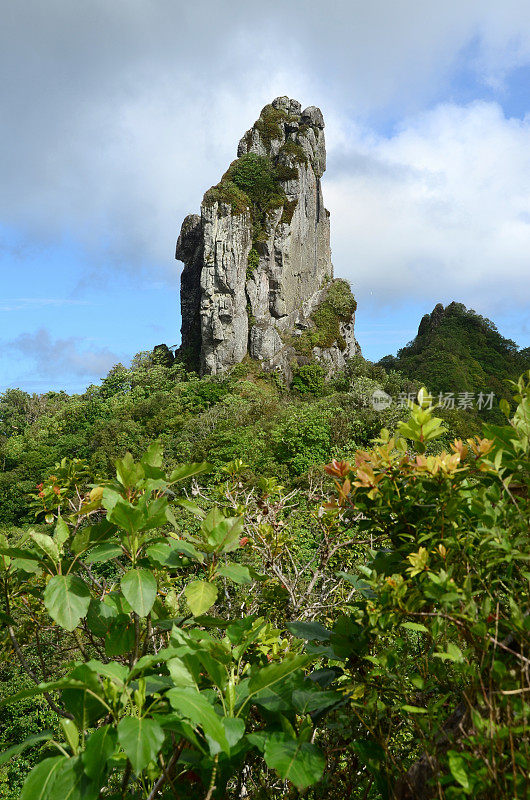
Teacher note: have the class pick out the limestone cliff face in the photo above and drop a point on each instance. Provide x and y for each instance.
(258, 273)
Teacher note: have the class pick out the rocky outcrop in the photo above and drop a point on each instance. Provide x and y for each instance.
(258, 277)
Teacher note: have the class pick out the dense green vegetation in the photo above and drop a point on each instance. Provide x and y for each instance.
(247, 414)
(199, 639)
(457, 350)
(228, 587)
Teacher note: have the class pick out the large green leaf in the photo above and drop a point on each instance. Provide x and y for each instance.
(127, 472)
(71, 782)
(39, 783)
(236, 572)
(153, 456)
(119, 638)
(85, 702)
(99, 748)
(99, 617)
(201, 596)
(187, 470)
(103, 552)
(29, 741)
(141, 739)
(61, 533)
(309, 630)
(66, 598)
(46, 544)
(222, 533)
(93, 535)
(309, 701)
(459, 769)
(195, 707)
(126, 516)
(180, 674)
(268, 676)
(299, 762)
(187, 549)
(139, 589)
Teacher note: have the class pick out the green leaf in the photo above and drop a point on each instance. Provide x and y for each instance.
(66, 598)
(222, 533)
(99, 748)
(126, 516)
(309, 701)
(153, 456)
(26, 565)
(413, 709)
(84, 698)
(92, 535)
(201, 596)
(99, 616)
(127, 472)
(414, 626)
(234, 729)
(61, 534)
(301, 763)
(103, 552)
(453, 654)
(39, 783)
(235, 572)
(180, 674)
(195, 707)
(120, 636)
(311, 631)
(187, 549)
(357, 583)
(457, 765)
(187, 470)
(141, 739)
(47, 545)
(139, 589)
(29, 741)
(71, 734)
(71, 782)
(268, 676)
(505, 407)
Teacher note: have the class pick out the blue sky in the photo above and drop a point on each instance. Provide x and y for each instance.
(119, 116)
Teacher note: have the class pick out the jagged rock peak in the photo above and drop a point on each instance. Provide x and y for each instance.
(258, 277)
(284, 121)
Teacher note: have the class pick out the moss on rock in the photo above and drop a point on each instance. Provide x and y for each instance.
(294, 150)
(252, 262)
(338, 306)
(227, 192)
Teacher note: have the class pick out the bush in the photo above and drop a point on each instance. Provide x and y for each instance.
(309, 379)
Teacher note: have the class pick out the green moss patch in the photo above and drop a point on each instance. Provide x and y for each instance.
(268, 124)
(288, 211)
(252, 262)
(227, 192)
(295, 150)
(338, 306)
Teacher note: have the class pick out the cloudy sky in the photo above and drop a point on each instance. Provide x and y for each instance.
(116, 116)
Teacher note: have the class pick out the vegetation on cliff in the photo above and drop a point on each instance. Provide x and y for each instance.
(338, 306)
(457, 350)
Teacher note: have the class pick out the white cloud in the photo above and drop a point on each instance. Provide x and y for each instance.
(440, 210)
(69, 356)
(117, 116)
